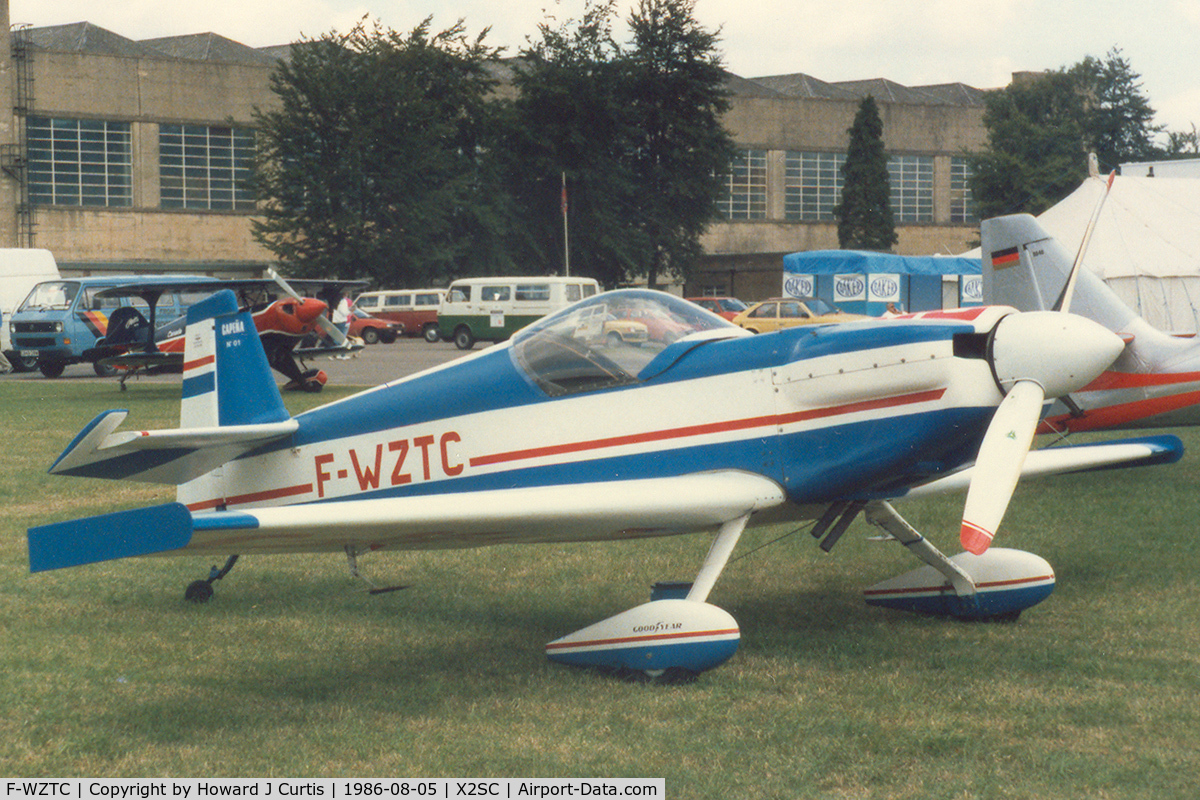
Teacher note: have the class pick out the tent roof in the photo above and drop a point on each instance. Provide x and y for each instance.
(861, 262)
(1148, 226)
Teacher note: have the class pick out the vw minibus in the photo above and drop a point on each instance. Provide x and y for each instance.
(493, 309)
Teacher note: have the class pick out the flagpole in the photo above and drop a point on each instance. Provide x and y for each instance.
(566, 246)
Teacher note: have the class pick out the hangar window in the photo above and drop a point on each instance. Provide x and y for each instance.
(745, 195)
(911, 179)
(812, 185)
(962, 203)
(205, 167)
(79, 162)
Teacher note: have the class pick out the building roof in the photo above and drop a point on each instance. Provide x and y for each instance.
(801, 85)
(882, 89)
(84, 37)
(209, 47)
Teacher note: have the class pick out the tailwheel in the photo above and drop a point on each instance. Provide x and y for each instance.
(202, 591)
(198, 592)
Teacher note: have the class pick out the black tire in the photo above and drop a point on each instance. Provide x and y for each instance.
(198, 592)
(463, 339)
(23, 363)
(51, 369)
(103, 370)
(431, 333)
(614, 339)
(370, 336)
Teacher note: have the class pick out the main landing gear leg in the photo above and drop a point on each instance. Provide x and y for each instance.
(202, 591)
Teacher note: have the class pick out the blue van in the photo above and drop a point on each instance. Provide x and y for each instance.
(61, 319)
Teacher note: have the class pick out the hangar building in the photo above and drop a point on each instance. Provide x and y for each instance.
(123, 154)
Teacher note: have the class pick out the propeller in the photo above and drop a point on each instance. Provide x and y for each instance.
(326, 324)
(1034, 355)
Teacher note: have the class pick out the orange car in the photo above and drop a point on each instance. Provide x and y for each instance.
(786, 312)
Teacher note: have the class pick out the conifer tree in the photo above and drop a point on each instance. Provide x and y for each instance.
(864, 214)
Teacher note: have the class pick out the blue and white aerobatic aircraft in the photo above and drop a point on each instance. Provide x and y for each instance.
(563, 434)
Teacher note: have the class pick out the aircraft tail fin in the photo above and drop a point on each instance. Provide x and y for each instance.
(1027, 268)
(226, 377)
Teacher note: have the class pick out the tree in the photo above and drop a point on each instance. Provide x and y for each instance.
(1036, 153)
(1117, 120)
(864, 214)
(636, 130)
(1040, 131)
(681, 149)
(566, 120)
(371, 166)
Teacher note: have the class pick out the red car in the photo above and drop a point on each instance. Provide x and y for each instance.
(373, 330)
(727, 307)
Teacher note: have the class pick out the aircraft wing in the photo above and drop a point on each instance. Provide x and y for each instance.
(170, 457)
(142, 359)
(1140, 452)
(574, 512)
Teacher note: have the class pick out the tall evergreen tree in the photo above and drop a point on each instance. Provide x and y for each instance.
(1118, 119)
(864, 214)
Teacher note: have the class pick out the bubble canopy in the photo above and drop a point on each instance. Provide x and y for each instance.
(614, 339)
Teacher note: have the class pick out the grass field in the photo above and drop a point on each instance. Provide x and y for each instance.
(292, 670)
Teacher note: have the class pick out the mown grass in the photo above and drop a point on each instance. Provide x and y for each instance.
(292, 670)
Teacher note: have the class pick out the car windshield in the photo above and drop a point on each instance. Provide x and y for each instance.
(732, 304)
(51, 294)
(820, 307)
(600, 342)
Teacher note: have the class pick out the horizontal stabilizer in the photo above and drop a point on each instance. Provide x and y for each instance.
(122, 534)
(1142, 452)
(164, 456)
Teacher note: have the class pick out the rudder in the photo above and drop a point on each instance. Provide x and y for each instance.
(226, 377)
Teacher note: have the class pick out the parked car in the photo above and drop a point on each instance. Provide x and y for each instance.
(787, 312)
(727, 307)
(415, 309)
(373, 330)
(660, 326)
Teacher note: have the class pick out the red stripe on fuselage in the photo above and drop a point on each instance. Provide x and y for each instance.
(708, 428)
(619, 441)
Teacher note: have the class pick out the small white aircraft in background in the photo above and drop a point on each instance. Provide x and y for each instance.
(562, 434)
(1154, 382)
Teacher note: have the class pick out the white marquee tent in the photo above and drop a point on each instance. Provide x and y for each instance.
(1146, 245)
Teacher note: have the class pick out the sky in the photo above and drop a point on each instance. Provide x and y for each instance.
(912, 42)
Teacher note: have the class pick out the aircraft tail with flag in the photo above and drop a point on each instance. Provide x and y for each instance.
(1155, 382)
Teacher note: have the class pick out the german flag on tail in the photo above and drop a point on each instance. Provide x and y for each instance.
(1001, 259)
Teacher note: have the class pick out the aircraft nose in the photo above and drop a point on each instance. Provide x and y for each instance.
(1062, 352)
(309, 309)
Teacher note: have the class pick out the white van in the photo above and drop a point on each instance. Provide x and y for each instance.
(416, 309)
(493, 309)
(20, 270)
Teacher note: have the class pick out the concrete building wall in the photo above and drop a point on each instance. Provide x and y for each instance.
(147, 90)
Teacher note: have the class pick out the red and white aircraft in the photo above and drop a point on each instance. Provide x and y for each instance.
(283, 318)
(558, 435)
